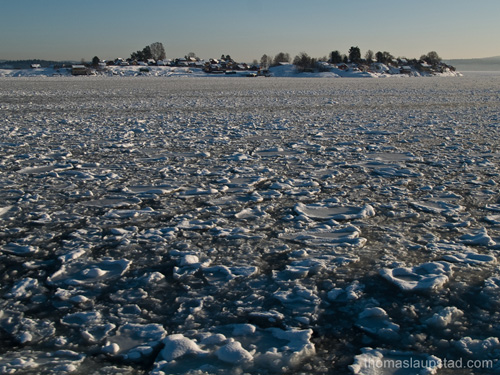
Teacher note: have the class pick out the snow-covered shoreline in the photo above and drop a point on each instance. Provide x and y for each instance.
(287, 70)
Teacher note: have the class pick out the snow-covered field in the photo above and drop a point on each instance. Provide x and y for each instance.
(260, 226)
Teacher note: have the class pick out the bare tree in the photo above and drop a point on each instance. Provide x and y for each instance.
(266, 61)
(281, 57)
(157, 51)
(304, 62)
(384, 57)
(369, 56)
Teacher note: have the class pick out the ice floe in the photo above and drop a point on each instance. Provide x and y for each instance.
(444, 318)
(425, 277)
(335, 236)
(133, 342)
(381, 361)
(334, 212)
(480, 237)
(27, 361)
(238, 225)
(374, 320)
(83, 273)
(233, 348)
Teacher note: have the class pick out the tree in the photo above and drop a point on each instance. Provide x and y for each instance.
(369, 56)
(383, 57)
(432, 58)
(355, 54)
(335, 57)
(281, 57)
(146, 53)
(154, 51)
(157, 51)
(95, 61)
(137, 56)
(266, 61)
(303, 61)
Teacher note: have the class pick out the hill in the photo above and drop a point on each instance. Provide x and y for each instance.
(25, 64)
(483, 64)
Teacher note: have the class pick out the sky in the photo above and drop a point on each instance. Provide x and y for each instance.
(247, 29)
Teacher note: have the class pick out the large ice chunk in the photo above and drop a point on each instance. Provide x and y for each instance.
(425, 277)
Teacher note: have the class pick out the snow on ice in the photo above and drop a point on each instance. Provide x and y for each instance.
(235, 225)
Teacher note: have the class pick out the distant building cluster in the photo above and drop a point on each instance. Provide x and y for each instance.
(379, 63)
(224, 65)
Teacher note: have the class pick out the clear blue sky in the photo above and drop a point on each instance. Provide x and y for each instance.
(247, 29)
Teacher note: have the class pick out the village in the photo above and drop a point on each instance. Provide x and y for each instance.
(152, 61)
(227, 66)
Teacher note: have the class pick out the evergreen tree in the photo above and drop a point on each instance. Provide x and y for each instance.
(335, 57)
(355, 55)
(432, 58)
(146, 53)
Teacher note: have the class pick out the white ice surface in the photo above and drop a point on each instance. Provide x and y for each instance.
(386, 362)
(246, 225)
(425, 277)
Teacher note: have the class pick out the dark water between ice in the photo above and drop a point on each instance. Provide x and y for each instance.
(302, 219)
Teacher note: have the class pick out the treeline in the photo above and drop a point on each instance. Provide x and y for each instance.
(303, 61)
(156, 51)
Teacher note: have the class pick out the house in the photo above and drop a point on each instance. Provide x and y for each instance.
(79, 70)
(35, 66)
(381, 68)
(199, 64)
(405, 69)
(425, 66)
(181, 62)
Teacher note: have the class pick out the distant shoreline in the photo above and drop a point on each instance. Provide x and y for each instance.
(488, 64)
(287, 70)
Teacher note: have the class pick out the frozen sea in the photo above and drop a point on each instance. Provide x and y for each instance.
(249, 225)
